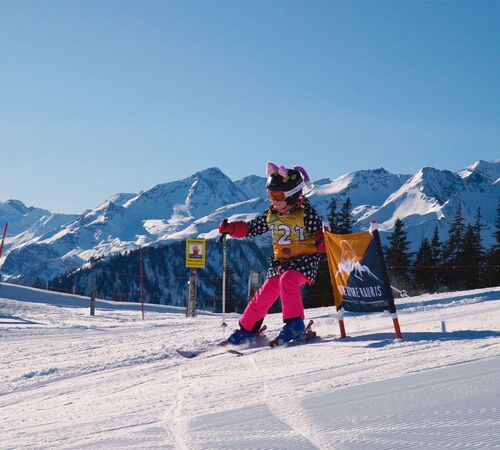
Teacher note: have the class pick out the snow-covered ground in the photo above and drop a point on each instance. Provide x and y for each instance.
(114, 381)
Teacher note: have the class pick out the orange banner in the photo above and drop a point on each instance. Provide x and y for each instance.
(357, 272)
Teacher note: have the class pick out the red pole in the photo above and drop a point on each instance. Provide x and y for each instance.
(3, 238)
(339, 315)
(141, 269)
(342, 328)
(397, 329)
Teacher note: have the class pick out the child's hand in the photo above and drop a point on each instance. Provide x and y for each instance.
(237, 229)
(319, 240)
(226, 227)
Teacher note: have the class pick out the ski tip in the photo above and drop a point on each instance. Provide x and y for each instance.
(235, 352)
(188, 353)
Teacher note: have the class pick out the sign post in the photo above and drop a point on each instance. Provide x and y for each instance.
(92, 297)
(141, 270)
(195, 259)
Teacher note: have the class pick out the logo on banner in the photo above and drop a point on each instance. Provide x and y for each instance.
(350, 262)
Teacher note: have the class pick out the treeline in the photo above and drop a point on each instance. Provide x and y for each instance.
(460, 262)
(164, 281)
(457, 263)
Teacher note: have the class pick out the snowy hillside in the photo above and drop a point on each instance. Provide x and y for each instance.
(44, 246)
(28, 224)
(113, 381)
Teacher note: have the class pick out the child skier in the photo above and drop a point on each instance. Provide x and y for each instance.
(297, 240)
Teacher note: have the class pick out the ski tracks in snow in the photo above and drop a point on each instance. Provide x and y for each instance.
(174, 421)
(289, 411)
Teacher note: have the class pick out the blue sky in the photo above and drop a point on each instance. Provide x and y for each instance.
(101, 97)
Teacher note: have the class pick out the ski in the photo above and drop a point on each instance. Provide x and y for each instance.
(250, 351)
(190, 353)
(257, 342)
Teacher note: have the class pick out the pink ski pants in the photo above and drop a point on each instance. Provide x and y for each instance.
(287, 286)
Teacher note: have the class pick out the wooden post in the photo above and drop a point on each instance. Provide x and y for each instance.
(92, 298)
(141, 270)
(191, 303)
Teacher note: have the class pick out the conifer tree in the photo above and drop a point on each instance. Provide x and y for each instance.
(425, 268)
(345, 222)
(437, 252)
(39, 285)
(497, 225)
(478, 249)
(493, 257)
(397, 255)
(333, 216)
(452, 247)
(470, 260)
(452, 251)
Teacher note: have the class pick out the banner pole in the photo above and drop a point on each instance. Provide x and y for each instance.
(397, 329)
(392, 305)
(340, 318)
(340, 311)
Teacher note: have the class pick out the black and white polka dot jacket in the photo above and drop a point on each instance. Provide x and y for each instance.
(306, 264)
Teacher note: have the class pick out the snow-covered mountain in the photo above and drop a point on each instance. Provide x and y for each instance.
(252, 186)
(44, 244)
(28, 224)
(431, 197)
(367, 189)
(22, 219)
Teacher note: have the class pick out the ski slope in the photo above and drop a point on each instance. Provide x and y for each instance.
(114, 381)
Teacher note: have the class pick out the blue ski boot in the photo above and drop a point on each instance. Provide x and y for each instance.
(241, 336)
(293, 330)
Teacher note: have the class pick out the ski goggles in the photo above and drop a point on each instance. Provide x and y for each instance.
(280, 196)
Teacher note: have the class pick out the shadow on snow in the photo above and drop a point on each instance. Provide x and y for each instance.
(7, 319)
(385, 339)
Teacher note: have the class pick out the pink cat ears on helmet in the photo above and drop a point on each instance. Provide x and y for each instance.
(272, 168)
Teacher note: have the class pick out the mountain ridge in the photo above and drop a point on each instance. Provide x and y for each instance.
(193, 207)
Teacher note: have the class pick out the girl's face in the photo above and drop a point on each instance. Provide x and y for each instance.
(281, 207)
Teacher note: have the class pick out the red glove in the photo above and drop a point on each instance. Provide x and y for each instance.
(237, 229)
(319, 240)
